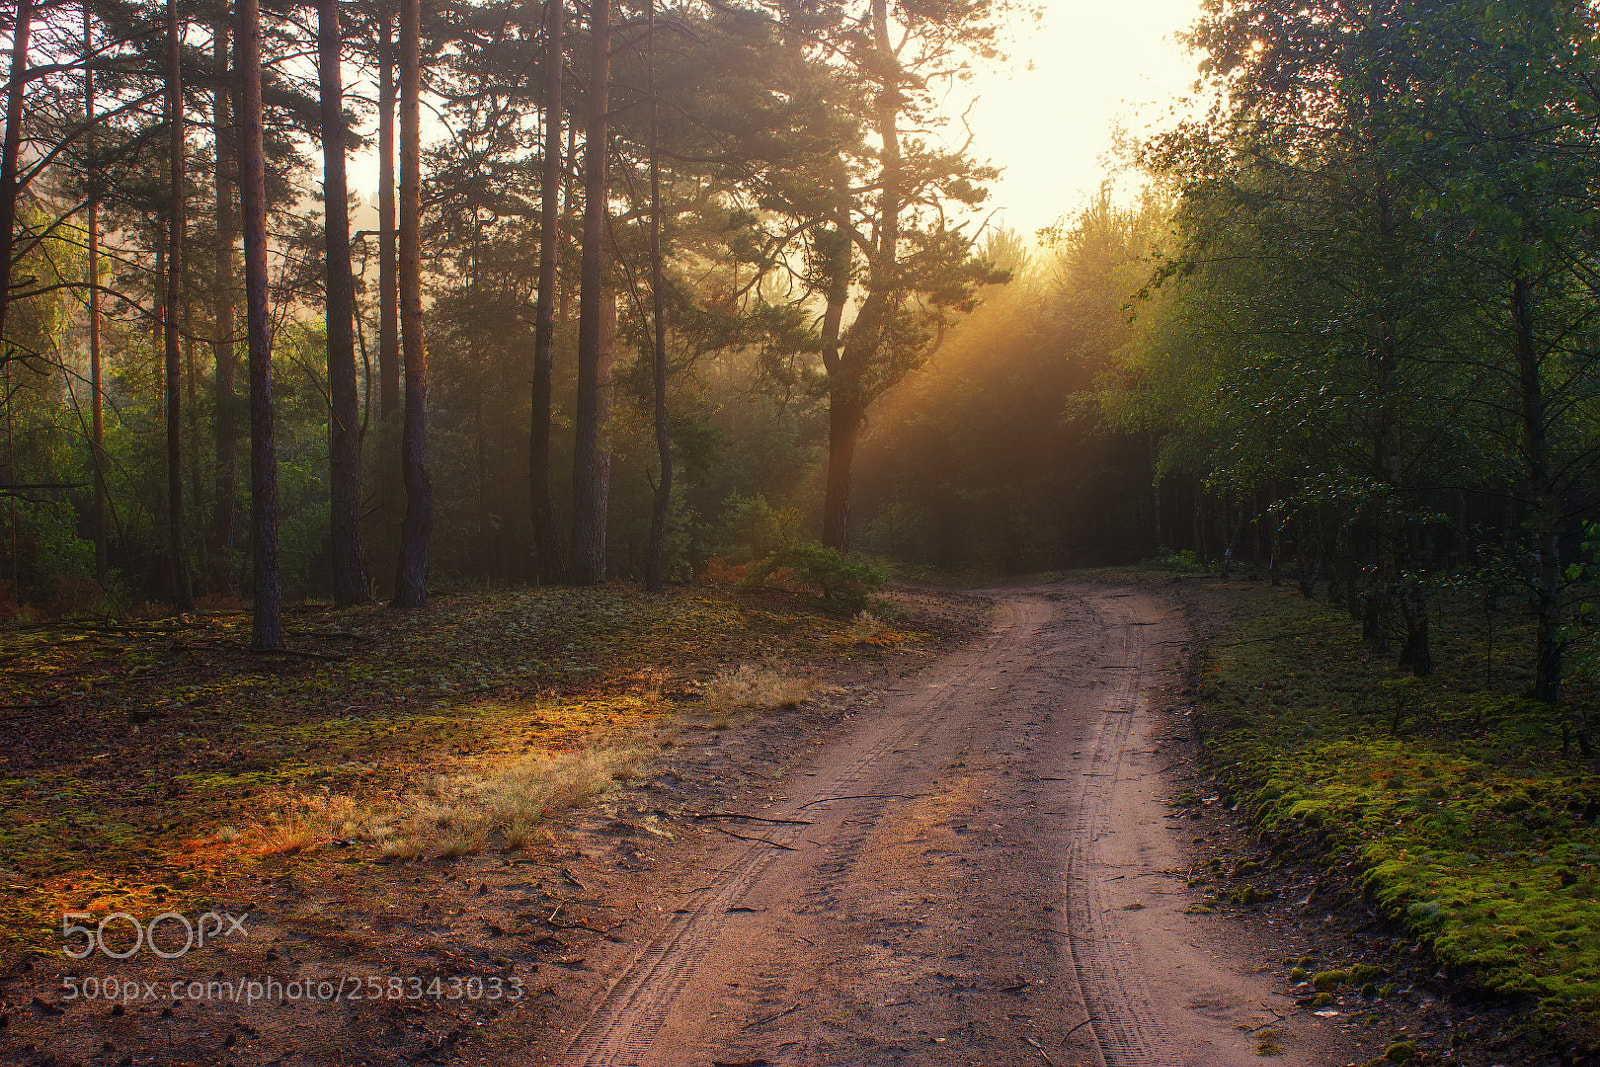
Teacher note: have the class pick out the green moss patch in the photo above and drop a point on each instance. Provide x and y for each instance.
(1462, 809)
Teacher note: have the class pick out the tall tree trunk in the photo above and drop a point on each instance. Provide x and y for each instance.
(846, 414)
(388, 258)
(182, 594)
(344, 431)
(568, 174)
(546, 541)
(655, 563)
(97, 439)
(847, 401)
(1417, 652)
(1545, 520)
(411, 573)
(191, 386)
(224, 346)
(11, 148)
(267, 627)
(589, 465)
(605, 400)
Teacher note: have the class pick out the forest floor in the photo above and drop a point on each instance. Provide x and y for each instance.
(1450, 819)
(554, 827)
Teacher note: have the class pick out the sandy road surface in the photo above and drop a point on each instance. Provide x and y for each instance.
(977, 870)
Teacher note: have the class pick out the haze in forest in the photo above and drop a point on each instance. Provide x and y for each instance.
(864, 279)
(1049, 114)
(701, 349)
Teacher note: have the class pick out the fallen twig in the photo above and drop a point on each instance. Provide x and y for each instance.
(751, 818)
(1080, 1026)
(1263, 1026)
(761, 840)
(770, 1018)
(864, 796)
(1040, 1050)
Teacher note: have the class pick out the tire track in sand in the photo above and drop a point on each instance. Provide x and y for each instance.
(624, 1025)
(987, 874)
(1121, 1015)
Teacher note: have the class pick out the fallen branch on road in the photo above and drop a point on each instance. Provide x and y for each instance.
(865, 796)
(761, 840)
(751, 818)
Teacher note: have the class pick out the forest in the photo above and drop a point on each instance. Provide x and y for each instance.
(597, 496)
(648, 291)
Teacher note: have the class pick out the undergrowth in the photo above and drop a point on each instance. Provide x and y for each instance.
(504, 808)
(146, 760)
(1470, 816)
(751, 688)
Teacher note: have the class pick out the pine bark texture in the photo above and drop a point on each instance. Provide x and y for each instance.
(267, 624)
(9, 152)
(416, 530)
(655, 562)
(388, 253)
(97, 438)
(224, 345)
(1545, 520)
(548, 559)
(182, 593)
(591, 463)
(344, 432)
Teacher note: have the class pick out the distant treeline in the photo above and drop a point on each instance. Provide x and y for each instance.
(1366, 343)
(656, 263)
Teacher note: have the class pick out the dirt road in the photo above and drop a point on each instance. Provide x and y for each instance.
(980, 869)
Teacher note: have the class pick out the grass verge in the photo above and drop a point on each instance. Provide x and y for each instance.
(147, 760)
(1463, 808)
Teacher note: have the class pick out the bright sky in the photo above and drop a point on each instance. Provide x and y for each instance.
(1094, 65)
(1047, 115)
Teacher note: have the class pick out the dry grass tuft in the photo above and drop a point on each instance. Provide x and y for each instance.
(456, 815)
(751, 688)
(868, 629)
(288, 839)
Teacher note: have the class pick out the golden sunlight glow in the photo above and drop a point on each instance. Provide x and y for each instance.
(1048, 115)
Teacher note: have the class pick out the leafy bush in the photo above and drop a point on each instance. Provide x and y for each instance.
(838, 577)
(752, 528)
(1165, 559)
(720, 572)
(900, 531)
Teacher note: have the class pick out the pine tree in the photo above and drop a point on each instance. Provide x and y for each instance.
(411, 572)
(267, 628)
(349, 562)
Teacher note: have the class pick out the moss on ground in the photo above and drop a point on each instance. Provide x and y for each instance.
(1467, 813)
